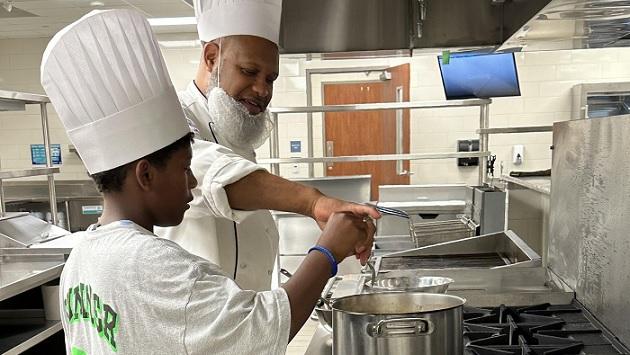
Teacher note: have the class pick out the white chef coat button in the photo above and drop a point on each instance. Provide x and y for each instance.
(269, 272)
(243, 266)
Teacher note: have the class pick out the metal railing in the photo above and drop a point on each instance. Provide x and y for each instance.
(9, 99)
(484, 112)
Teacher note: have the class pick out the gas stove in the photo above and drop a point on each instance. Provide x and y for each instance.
(533, 330)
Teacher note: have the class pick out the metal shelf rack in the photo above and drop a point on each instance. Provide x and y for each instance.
(24, 269)
(29, 336)
(484, 111)
(17, 101)
(519, 130)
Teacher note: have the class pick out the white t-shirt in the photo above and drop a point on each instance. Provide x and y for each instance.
(125, 291)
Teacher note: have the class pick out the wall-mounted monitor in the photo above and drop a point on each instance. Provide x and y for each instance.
(474, 75)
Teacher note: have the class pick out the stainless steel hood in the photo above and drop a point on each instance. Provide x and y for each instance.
(333, 26)
(575, 24)
(349, 28)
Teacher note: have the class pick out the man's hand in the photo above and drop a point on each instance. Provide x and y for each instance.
(324, 206)
(262, 190)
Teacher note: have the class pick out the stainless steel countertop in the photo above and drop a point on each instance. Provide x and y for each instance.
(14, 174)
(529, 283)
(540, 184)
(24, 97)
(481, 288)
(433, 205)
(22, 269)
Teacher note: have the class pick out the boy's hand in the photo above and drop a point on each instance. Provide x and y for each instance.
(347, 234)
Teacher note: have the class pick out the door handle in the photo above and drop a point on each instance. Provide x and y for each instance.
(329, 153)
(400, 171)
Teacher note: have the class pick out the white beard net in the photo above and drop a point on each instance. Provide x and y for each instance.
(233, 122)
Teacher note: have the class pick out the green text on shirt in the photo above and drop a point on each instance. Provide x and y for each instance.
(82, 305)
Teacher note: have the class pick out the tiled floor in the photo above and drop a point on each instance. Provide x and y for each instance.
(300, 342)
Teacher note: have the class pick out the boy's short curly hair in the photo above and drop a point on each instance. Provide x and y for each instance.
(112, 180)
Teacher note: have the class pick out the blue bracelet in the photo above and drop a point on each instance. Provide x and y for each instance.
(329, 255)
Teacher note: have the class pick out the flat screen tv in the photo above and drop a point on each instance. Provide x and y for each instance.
(474, 75)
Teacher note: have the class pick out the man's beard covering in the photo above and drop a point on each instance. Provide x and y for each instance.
(233, 122)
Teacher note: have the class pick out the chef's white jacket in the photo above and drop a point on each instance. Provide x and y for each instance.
(208, 228)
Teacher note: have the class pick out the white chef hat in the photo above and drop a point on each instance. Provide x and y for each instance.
(221, 18)
(108, 82)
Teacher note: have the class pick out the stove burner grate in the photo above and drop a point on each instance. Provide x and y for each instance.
(540, 329)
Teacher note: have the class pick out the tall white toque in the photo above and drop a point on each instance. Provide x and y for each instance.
(222, 18)
(108, 82)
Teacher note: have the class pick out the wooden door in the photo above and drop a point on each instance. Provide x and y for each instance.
(367, 132)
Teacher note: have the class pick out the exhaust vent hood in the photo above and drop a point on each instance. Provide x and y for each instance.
(389, 26)
(368, 28)
(574, 24)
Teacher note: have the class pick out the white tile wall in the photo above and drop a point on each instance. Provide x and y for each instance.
(536, 73)
(545, 58)
(19, 71)
(546, 79)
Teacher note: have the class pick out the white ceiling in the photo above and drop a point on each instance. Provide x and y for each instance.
(53, 15)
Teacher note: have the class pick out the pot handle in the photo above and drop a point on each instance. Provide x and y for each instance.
(398, 327)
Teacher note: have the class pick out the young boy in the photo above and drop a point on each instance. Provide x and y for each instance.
(124, 290)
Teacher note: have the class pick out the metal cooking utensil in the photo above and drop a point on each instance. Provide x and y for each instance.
(321, 300)
(373, 270)
(286, 273)
(390, 211)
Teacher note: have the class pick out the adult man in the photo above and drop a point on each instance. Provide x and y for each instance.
(226, 103)
(124, 290)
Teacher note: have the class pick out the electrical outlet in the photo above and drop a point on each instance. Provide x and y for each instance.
(295, 170)
(518, 154)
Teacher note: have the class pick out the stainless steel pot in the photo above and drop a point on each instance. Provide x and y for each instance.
(324, 316)
(323, 308)
(398, 323)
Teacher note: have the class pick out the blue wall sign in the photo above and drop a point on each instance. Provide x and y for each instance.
(38, 154)
(296, 146)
